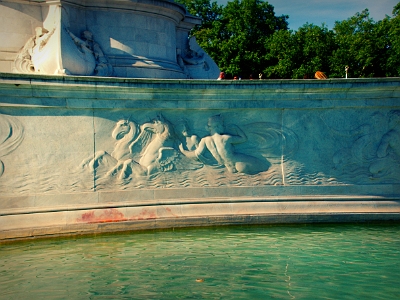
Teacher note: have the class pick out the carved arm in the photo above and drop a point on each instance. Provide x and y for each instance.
(239, 137)
(195, 153)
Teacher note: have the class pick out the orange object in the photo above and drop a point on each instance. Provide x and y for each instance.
(320, 75)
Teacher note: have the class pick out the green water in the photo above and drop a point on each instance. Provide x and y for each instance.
(262, 262)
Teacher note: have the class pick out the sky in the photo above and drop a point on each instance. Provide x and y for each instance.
(327, 11)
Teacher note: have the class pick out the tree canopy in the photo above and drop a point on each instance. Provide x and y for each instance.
(246, 37)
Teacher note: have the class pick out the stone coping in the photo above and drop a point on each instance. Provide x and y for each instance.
(348, 83)
(206, 201)
(76, 92)
(11, 204)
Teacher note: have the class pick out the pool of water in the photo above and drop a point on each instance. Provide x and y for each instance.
(337, 261)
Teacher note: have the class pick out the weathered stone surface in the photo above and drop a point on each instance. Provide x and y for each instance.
(79, 151)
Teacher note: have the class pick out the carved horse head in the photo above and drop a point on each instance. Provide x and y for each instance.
(123, 127)
(160, 127)
(124, 132)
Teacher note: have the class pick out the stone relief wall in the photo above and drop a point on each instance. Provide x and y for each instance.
(90, 155)
(141, 149)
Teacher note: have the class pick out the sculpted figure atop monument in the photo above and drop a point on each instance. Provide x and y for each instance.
(88, 45)
(29, 57)
(134, 39)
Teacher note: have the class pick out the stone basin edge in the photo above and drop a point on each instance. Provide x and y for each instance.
(127, 216)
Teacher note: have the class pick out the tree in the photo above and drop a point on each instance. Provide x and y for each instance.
(359, 46)
(246, 37)
(299, 54)
(391, 28)
(315, 48)
(234, 35)
(281, 52)
(204, 9)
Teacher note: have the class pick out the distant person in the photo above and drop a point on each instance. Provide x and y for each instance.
(221, 76)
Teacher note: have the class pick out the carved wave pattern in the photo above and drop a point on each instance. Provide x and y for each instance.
(296, 174)
(205, 177)
(355, 173)
(49, 181)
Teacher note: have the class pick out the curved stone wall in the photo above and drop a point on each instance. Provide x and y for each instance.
(85, 154)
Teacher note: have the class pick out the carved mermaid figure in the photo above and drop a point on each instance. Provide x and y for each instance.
(217, 148)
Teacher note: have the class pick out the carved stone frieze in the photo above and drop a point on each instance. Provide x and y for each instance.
(161, 147)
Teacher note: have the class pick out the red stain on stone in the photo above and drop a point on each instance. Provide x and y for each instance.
(170, 211)
(107, 215)
(145, 214)
(87, 217)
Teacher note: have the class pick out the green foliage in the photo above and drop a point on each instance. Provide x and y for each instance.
(246, 37)
(234, 35)
(207, 11)
(356, 40)
(391, 28)
(298, 54)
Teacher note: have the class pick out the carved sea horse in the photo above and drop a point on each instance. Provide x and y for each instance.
(141, 151)
(124, 132)
(156, 141)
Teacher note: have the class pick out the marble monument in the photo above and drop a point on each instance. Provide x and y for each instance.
(120, 38)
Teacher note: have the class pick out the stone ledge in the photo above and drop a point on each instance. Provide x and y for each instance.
(205, 221)
(106, 219)
(193, 201)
